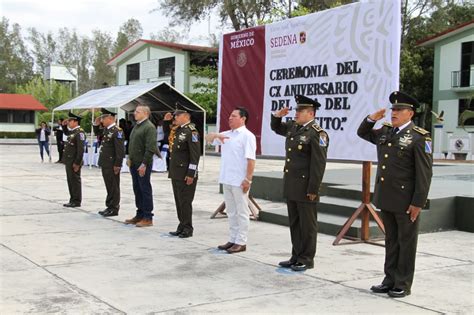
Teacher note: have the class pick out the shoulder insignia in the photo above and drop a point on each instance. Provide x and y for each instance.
(421, 130)
(120, 129)
(387, 124)
(323, 139)
(119, 134)
(82, 136)
(317, 128)
(195, 136)
(191, 126)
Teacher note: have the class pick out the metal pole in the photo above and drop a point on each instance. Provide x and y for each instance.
(91, 154)
(51, 137)
(204, 142)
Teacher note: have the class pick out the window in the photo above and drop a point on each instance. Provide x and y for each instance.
(23, 116)
(467, 60)
(133, 72)
(3, 115)
(466, 112)
(166, 67)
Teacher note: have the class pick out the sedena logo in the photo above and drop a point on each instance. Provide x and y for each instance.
(287, 40)
(302, 37)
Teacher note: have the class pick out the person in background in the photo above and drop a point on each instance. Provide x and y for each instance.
(42, 134)
(58, 132)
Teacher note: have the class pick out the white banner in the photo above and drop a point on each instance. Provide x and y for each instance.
(347, 58)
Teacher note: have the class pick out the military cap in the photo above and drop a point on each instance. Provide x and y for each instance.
(402, 100)
(106, 113)
(72, 116)
(179, 110)
(303, 101)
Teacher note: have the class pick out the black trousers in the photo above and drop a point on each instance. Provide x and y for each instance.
(112, 184)
(60, 146)
(74, 184)
(401, 237)
(183, 197)
(303, 218)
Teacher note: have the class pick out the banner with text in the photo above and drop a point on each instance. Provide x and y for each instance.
(347, 58)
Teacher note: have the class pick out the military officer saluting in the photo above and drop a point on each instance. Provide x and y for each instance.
(305, 162)
(72, 159)
(402, 183)
(112, 152)
(184, 159)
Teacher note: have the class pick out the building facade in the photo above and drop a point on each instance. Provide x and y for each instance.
(453, 91)
(18, 113)
(147, 61)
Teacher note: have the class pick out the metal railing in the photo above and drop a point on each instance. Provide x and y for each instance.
(463, 78)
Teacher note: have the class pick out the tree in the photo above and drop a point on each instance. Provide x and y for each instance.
(16, 64)
(205, 91)
(168, 35)
(416, 63)
(129, 32)
(242, 13)
(103, 74)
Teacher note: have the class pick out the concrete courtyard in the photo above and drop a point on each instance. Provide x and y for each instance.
(73, 261)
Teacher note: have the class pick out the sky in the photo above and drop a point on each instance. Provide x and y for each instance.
(105, 15)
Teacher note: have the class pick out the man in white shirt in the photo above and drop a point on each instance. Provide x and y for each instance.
(238, 154)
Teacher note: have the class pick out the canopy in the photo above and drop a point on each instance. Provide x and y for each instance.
(159, 96)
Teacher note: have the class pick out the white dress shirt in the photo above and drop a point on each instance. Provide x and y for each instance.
(235, 151)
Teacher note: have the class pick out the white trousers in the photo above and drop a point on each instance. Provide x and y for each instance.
(238, 212)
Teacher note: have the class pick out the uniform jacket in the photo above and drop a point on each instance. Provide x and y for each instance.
(404, 165)
(142, 145)
(112, 150)
(185, 152)
(74, 147)
(305, 161)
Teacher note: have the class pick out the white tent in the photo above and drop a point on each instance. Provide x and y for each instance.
(159, 96)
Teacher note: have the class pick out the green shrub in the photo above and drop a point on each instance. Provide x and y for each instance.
(17, 135)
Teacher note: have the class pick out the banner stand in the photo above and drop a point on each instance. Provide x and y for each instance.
(253, 206)
(364, 210)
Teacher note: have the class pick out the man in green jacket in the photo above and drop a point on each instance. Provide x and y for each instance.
(402, 183)
(141, 148)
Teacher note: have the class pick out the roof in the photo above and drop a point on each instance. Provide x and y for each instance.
(132, 48)
(429, 41)
(20, 102)
(160, 96)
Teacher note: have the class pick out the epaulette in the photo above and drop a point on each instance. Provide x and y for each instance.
(118, 128)
(421, 130)
(317, 128)
(387, 124)
(192, 127)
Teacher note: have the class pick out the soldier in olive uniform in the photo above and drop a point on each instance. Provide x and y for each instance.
(306, 150)
(184, 158)
(111, 156)
(72, 159)
(401, 187)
